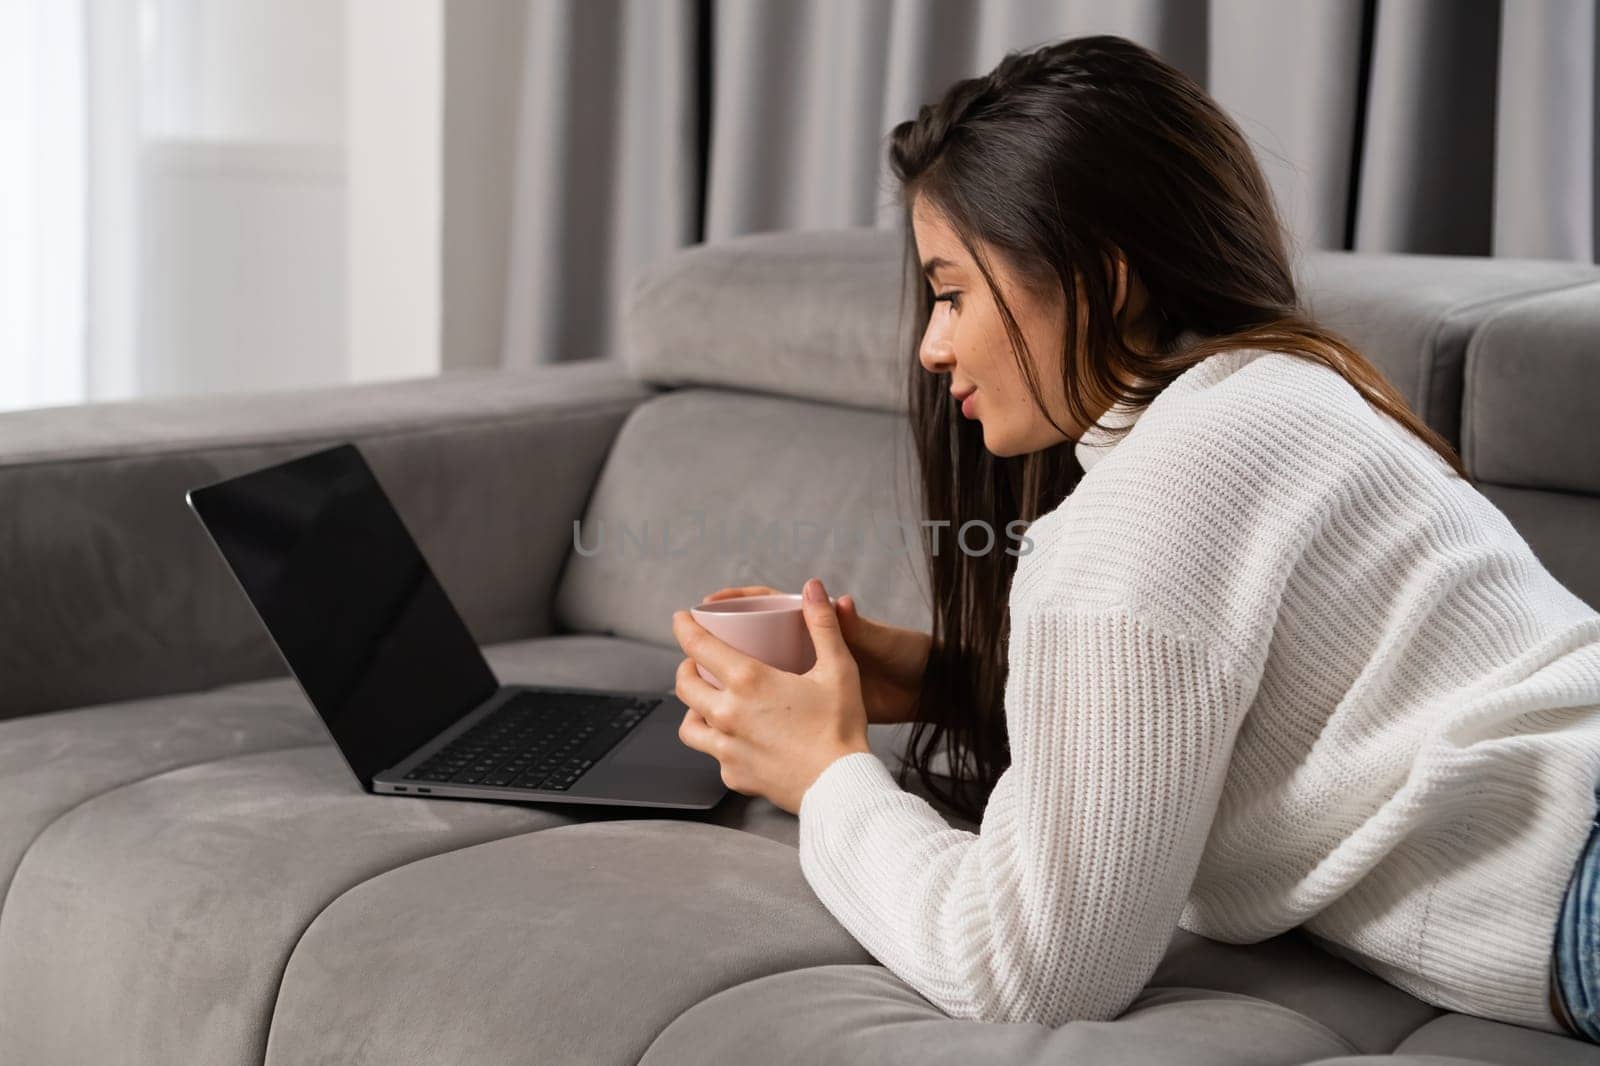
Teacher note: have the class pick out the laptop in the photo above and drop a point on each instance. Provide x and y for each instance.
(397, 678)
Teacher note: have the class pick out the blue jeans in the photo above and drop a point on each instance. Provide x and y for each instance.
(1577, 948)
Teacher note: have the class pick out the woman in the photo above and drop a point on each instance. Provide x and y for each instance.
(1271, 660)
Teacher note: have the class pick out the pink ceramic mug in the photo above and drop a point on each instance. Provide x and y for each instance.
(770, 628)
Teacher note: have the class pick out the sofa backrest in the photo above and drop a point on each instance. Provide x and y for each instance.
(113, 590)
(781, 357)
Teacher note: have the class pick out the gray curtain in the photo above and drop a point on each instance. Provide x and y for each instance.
(1438, 126)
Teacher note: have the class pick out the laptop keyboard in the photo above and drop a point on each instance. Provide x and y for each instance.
(543, 740)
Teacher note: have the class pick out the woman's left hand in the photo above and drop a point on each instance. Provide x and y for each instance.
(773, 731)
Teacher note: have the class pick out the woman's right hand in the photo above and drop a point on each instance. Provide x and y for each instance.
(890, 658)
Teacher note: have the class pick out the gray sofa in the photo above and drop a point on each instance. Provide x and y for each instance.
(191, 875)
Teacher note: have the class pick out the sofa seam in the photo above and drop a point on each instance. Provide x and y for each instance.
(22, 858)
(169, 448)
(283, 972)
(422, 431)
(1459, 313)
(1575, 493)
(1470, 358)
(288, 956)
(1340, 1038)
(228, 758)
(683, 382)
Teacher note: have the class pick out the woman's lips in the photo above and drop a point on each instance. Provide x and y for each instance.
(967, 404)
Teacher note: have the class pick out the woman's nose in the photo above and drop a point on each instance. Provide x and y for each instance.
(935, 355)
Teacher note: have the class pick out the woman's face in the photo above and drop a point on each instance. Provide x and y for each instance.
(966, 339)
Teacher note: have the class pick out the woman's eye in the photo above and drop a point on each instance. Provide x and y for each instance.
(951, 297)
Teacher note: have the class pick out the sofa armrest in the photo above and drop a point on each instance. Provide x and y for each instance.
(113, 590)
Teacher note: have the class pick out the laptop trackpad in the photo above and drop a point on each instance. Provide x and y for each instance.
(655, 743)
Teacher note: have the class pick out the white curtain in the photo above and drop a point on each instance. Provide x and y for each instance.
(1456, 127)
(42, 218)
(68, 225)
(614, 132)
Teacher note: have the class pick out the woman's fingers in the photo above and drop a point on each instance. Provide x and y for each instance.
(727, 663)
(697, 694)
(847, 614)
(696, 733)
(865, 634)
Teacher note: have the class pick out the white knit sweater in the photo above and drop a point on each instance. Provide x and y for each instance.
(1271, 663)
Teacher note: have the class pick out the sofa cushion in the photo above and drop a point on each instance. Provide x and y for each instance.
(1414, 316)
(1531, 431)
(216, 888)
(1481, 1040)
(1280, 1001)
(821, 314)
(159, 858)
(52, 763)
(577, 944)
(803, 313)
(1562, 528)
(706, 488)
(152, 922)
(167, 853)
(862, 1014)
(103, 563)
(812, 315)
(1532, 404)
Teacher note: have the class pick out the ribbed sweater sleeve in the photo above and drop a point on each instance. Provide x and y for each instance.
(1062, 904)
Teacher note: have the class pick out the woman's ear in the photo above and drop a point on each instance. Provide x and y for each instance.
(1120, 297)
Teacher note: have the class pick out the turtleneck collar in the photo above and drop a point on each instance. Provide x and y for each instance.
(1095, 443)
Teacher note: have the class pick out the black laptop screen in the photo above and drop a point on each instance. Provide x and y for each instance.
(353, 607)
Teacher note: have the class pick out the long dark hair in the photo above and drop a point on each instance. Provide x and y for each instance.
(1059, 159)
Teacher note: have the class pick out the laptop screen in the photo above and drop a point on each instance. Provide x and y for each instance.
(351, 604)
